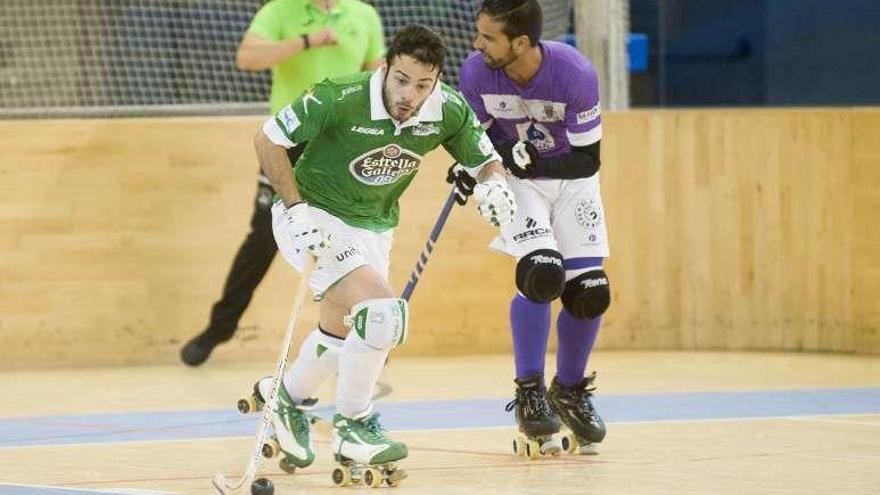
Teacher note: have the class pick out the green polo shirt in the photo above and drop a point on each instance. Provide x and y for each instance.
(356, 24)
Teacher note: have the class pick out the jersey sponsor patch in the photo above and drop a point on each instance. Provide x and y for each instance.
(425, 129)
(504, 106)
(545, 111)
(288, 119)
(515, 107)
(588, 115)
(529, 234)
(385, 165)
(349, 90)
(371, 131)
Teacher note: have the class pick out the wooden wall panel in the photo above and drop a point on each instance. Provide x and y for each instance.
(865, 236)
(730, 229)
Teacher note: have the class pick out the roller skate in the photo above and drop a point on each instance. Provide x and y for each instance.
(364, 455)
(575, 408)
(291, 425)
(538, 425)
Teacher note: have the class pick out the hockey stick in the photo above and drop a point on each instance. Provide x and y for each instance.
(219, 481)
(429, 246)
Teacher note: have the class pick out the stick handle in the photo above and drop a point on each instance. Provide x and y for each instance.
(429, 246)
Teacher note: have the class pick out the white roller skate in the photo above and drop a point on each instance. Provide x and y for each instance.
(291, 425)
(364, 455)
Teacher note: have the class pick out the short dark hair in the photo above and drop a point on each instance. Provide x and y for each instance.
(520, 17)
(419, 42)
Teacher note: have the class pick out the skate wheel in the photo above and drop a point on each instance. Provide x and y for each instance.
(271, 448)
(286, 465)
(570, 444)
(566, 444)
(533, 449)
(372, 478)
(341, 476)
(247, 406)
(518, 447)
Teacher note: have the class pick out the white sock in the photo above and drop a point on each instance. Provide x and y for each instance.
(359, 368)
(318, 358)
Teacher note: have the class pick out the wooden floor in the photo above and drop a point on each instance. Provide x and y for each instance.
(702, 423)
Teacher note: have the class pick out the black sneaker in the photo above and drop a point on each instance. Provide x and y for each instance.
(197, 350)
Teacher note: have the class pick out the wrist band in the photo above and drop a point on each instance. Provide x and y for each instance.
(306, 44)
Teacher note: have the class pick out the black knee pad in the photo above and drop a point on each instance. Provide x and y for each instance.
(588, 295)
(540, 275)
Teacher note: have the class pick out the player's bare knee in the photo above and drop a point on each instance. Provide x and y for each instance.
(588, 295)
(540, 276)
(380, 323)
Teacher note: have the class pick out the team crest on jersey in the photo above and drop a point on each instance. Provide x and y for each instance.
(588, 214)
(536, 134)
(385, 165)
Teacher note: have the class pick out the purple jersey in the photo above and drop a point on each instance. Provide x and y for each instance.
(558, 109)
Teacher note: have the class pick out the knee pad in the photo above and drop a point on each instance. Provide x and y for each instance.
(380, 323)
(588, 295)
(540, 275)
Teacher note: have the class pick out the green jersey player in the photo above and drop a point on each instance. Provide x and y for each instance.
(364, 138)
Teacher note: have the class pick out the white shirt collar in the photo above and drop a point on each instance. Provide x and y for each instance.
(431, 111)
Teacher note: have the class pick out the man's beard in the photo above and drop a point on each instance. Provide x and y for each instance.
(391, 106)
(499, 63)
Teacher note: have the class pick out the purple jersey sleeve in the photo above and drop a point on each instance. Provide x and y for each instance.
(468, 83)
(583, 115)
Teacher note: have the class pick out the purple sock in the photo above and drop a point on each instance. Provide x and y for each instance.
(530, 324)
(576, 339)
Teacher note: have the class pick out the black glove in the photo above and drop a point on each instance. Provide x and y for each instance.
(524, 164)
(464, 183)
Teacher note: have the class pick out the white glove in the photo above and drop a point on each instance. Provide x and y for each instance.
(495, 202)
(304, 231)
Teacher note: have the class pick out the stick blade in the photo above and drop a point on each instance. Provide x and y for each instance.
(220, 486)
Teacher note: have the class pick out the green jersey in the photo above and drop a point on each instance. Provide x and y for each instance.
(356, 24)
(358, 160)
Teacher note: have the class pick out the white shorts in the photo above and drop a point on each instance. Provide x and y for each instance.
(559, 214)
(350, 248)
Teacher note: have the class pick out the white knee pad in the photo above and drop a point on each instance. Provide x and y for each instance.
(380, 323)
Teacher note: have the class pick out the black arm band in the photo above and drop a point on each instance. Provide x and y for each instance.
(306, 44)
(294, 153)
(582, 162)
